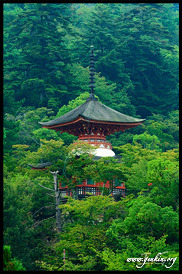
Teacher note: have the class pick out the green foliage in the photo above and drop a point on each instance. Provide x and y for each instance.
(27, 209)
(30, 131)
(11, 129)
(140, 32)
(92, 210)
(40, 74)
(148, 228)
(166, 129)
(85, 223)
(133, 153)
(39, 64)
(17, 218)
(104, 170)
(131, 260)
(158, 132)
(73, 104)
(34, 64)
(100, 234)
(155, 172)
(147, 141)
(163, 176)
(10, 264)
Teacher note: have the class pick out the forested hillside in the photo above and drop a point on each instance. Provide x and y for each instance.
(46, 74)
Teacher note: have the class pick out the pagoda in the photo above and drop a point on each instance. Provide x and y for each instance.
(91, 122)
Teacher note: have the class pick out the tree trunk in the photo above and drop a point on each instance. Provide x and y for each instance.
(103, 189)
(58, 210)
(75, 193)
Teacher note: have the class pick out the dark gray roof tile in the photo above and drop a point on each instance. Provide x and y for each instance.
(93, 110)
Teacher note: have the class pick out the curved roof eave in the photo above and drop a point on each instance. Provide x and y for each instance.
(96, 111)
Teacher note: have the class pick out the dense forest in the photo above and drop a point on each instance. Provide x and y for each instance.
(46, 74)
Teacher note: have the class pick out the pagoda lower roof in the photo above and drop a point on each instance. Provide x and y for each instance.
(95, 111)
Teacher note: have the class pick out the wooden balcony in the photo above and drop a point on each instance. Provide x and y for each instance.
(85, 191)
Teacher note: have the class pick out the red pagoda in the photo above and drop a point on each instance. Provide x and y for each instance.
(91, 122)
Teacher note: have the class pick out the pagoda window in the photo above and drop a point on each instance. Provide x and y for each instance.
(115, 191)
(80, 183)
(91, 140)
(80, 190)
(63, 193)
(91, 190)
(90, 182)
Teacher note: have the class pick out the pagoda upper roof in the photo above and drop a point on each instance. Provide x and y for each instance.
(95, 111)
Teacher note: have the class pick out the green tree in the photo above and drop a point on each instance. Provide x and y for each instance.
(29, 220)
(147, 141)
(72, 104)
(18, 223)
(36, 34)
(50, 151)
(105, 170)
(126, 260)
(132, 154)
(153, 172)
(10, 264)
(165, 128)
(147, 228)
(163, 178)
(85, 224)
(11, 129)
(30, 131)
(142, 32)
(146, 34)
